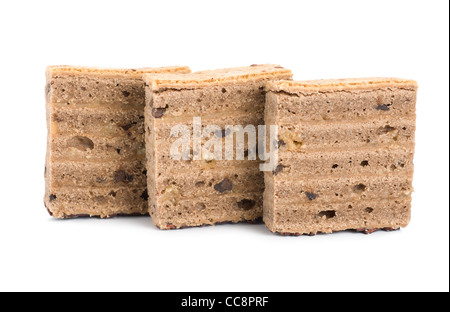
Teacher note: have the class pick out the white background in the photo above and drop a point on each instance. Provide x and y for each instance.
(316, 39)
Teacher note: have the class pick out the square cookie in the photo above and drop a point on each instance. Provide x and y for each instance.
(199, 189)
(345, 152)
(95, 164)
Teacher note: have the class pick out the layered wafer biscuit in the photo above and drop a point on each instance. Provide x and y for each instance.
(345, 152)
(204, 191)
(95, 164)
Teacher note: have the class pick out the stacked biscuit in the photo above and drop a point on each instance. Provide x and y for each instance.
(345, 148)
(95, 163)
(189, 192)
(345, 155)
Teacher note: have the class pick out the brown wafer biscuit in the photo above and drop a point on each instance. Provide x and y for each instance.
(95, 164)
(346, 152)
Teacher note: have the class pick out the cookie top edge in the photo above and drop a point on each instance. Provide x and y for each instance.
(217, 77)
(66, 70)
(329, 85)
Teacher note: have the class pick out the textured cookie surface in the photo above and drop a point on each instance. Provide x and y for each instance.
(95, 164)
(185, 193)
(346, 152)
